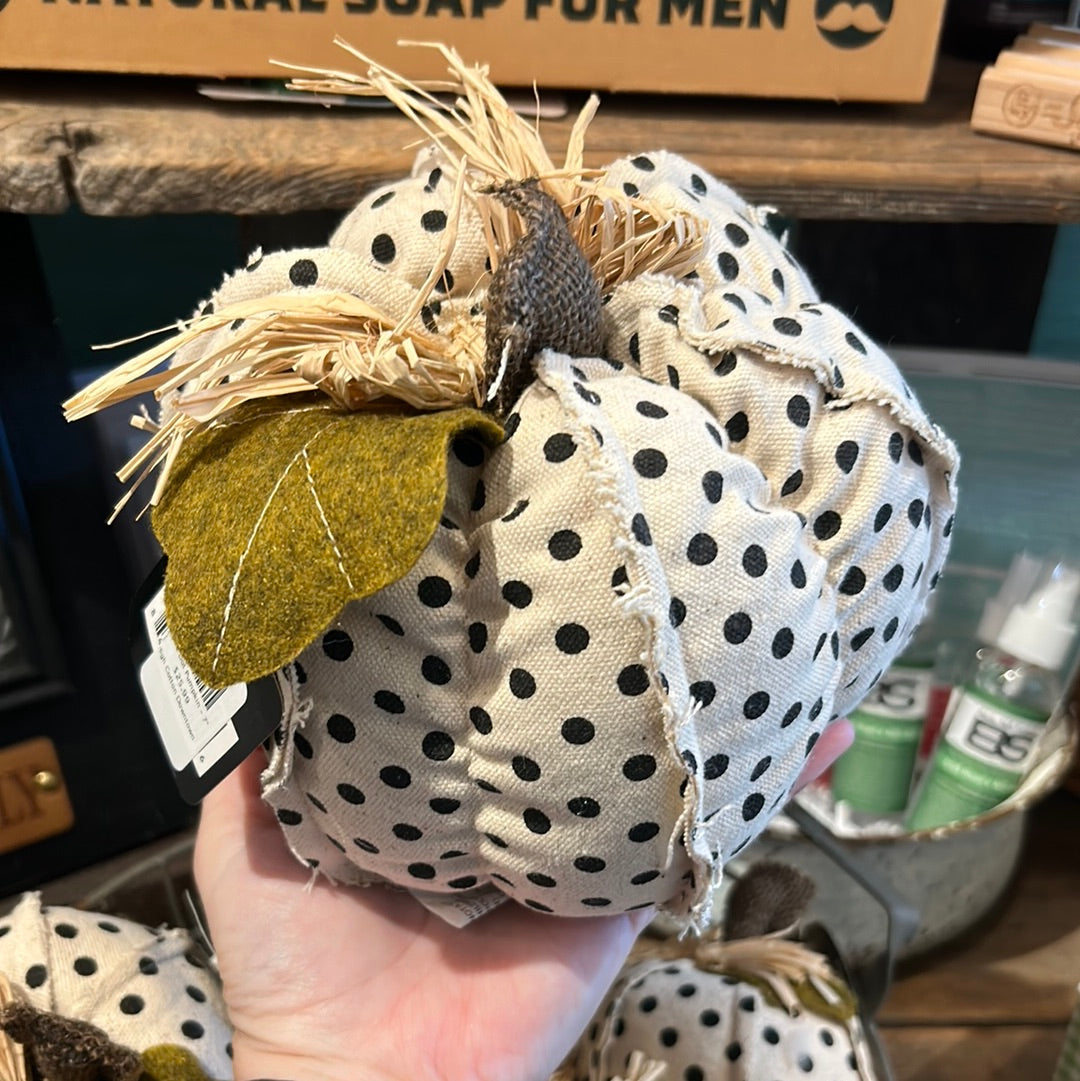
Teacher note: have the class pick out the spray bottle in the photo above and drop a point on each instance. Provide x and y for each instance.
(955, 662)
(995, 721)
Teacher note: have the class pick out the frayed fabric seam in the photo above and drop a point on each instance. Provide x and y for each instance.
(639, 603)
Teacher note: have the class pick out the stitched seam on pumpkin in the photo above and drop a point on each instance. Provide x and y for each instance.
(908, 413)
(326, 525)
(616, 997)
(274, 780)
(47, 943)
(876, 393)
(644, 292)
(635, 604)
(251, 540)
(295, 710)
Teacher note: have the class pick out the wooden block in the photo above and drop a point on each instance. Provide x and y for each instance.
(1064, 34)
(1027, 105)
(1058, 67)
(1045, 46)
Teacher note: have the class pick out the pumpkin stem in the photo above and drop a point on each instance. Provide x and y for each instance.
(543, 296)
(62, 1049)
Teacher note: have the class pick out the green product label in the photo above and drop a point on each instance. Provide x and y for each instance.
(976, 777)
(875, 775)
(987, 749)
(994, 734)
(885, 730)
(902, 694)
(956, 789)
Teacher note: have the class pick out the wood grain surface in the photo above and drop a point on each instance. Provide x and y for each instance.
(132, 146)
(952, 1053)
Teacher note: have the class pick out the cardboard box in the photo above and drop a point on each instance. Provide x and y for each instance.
(870, 50)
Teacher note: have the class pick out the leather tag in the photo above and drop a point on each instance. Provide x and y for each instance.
(34, 801)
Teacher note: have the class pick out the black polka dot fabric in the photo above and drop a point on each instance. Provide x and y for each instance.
(708, 1027)
(142, 987)
(641, 610)
(492, 723)
(382, 252)
(399, 230)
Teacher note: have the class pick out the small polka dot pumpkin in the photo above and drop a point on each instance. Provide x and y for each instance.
(607, 668)
(709, 1027)
(143, 988)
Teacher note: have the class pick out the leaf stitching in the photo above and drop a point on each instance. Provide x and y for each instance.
(326, 525)
(236, 422)
(302, 452)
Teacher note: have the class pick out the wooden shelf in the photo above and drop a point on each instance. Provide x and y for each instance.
(138, 146)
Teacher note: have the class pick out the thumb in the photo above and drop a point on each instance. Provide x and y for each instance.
(237, 829)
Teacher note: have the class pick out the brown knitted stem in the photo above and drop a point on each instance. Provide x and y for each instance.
(543, 295)
(770, 897)
(62, 1049)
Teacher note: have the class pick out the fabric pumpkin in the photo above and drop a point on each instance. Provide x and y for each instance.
(755, 1004)
(710, 1027)
(144, 989)
(631, 619)
(638, 612)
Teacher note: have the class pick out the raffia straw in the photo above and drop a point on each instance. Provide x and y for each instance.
(639, 1068)
(777, 962)
(358, 356)
(12, 1054)
(622, 236)
(290, 344)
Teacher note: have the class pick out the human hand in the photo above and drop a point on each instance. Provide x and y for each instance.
(366, 985)
(327, 984)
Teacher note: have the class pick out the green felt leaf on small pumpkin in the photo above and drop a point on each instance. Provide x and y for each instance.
(278, 516)
(170, 1062)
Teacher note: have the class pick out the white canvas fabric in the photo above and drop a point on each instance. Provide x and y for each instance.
(604, 674)
(142, 987)
(708, 1027)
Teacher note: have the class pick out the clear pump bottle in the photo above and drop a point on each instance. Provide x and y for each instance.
(955, 661)
(996, 719)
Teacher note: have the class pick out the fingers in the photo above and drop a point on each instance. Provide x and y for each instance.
(836, 739)
(232, 806)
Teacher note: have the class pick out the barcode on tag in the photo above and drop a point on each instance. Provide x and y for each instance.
(209, 695)
(195, 721)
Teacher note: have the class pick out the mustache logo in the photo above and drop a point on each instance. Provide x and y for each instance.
(861, 16)
(848, 25)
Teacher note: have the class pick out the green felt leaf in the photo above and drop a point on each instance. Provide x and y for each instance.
(276, 518)
(169, 1062)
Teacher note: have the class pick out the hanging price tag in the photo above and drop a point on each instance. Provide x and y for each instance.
(206, 732)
